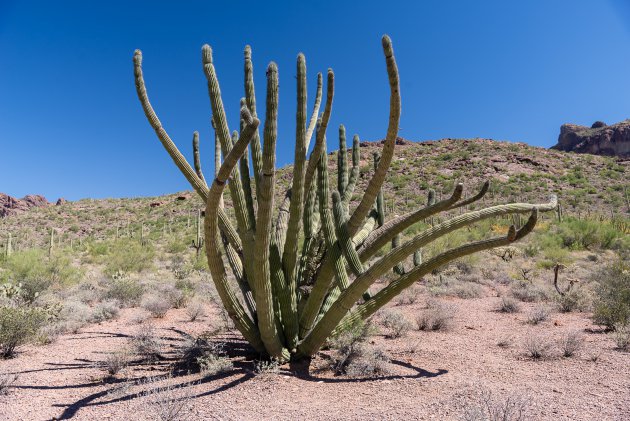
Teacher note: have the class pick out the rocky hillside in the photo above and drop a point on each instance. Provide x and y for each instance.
(586, 185)
(599, 139)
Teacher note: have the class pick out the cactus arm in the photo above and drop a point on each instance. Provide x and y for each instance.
(263, 238)
(246, 181)
(380, 201)
(482, 192)
(223, 132)
(315, 114)
(197, 160)
(342, 162)
(397, 286)
(289, 257)
(344, 303)
(236, 265)
(250, 98)
(320, 143)
(381, 236)
(237, 313)
(374, 186)
(345, 241)
(196, 183)
(399, 268)
(354, 173)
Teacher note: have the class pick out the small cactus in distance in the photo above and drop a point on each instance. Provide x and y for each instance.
(293, 294)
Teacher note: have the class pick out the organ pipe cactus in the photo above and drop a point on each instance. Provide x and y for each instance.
(301, 277)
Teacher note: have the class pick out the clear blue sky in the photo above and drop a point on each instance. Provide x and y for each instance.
(71, 125)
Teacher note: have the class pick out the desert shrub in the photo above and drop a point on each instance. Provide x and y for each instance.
(129, 256)
(581, 234)
(126, 291)
(167, 401)
(537, 346)
(74, 315)
(489, 407)
(105, 310)
(539, 314)
(570, 343)
(116, 362)
(155, 305)
(195, 310)
(410, 296)
(467, 290)
(7, 380)
(206, 356)
(146, 344)
(35, 272)
(574, 299)
(19, 325)
(347, 345)
(527, 292)
(395, 323)
(367, 361)
(621, 336)
(612, 303)
(508, 305)
(177, 246)
(175, 296)
(438, 316)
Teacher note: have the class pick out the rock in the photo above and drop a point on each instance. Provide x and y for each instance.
(10, 205)
(155, 204)
(600, 139)
(181, 198)
(61, 201)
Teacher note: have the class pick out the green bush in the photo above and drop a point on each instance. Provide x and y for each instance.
(126, 291)
(18, 326)
(612, 305)
(129, 256)
(35, 272)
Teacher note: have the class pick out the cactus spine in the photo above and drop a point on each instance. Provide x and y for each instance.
(293, 298)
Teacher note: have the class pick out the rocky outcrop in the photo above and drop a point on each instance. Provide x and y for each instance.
(599, 139)
(10, 205)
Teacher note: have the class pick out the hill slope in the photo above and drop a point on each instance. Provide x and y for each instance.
(585, 184)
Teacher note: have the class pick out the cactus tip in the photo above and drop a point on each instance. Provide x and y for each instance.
(387, 45)
(248, 52)
(206, 52)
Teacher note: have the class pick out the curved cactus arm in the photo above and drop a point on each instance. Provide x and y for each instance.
(368, 308)
(328, 225)
(320, 142)
(236, 264)
(399, 268)
(315, 113)
(196, 183)
(223, 132)
(374, 186)
(344, 303)
(235, 310)
(482, 192)
(342, 162)
(380, 200)
(354, 172)
(368, 227)
(263, 239)
(383, 235)
(417, 257)
(250, 98)
(197, 160)
(246, 180)
(345, 242)
(290, 247)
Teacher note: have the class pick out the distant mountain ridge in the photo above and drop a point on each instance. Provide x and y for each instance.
(599, 139)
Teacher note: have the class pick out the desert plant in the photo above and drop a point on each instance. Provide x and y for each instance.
(621, 336)
(195, 310)
(18, 326)
(157, 306)
(538, 314)
(571, 343)
(116, 362)
(7, 380)
(146, 344)
(438, 316)
(293, 300)
(490, 407)
(537, 346)
(612, 305)
(508, 305)
(395, 323)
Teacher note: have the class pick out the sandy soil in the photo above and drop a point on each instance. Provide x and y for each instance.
(434, 375)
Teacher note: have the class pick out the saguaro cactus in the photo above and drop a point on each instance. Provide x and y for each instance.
(198, 242)
(297, 293)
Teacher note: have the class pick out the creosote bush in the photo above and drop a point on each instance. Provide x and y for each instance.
(612, 305)
(301, 265)
(19, 325)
